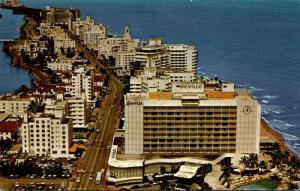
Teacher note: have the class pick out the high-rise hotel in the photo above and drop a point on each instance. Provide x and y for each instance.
(193, 118)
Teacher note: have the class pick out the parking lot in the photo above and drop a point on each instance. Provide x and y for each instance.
(33, 184)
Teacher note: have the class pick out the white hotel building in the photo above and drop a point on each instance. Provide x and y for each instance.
(190, 120)
(48, 133)
(183, 57)
(177, 129)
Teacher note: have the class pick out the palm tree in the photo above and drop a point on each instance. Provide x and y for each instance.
(226, 176)
(253, 160)
(244, 161)
(293, 186)
(164, 185)
(262, 165)
(275, 147)
(294, 167)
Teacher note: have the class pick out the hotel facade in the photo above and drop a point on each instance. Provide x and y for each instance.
(192, 120)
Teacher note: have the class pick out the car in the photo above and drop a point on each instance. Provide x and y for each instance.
(41, 187)
(51, 187)
(17, 184)
(32, 176)
(63, 184)
(43, 176)
(77, 180)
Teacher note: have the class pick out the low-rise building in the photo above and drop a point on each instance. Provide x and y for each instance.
(65, 64)
(9, 127)
(63, 42)
(14, 105)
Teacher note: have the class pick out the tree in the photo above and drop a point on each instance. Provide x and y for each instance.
(226, 176)
(275, 147)
(5, 145)
(163, 170)
(22, 89)
(253, 160)
(31, 107)
(227, 171)
(262, 165)
(164, 185)
(244, 162)
(293, 186)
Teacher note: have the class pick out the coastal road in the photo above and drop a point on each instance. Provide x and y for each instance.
(98, 148)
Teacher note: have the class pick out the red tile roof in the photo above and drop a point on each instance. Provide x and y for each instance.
(10, 126)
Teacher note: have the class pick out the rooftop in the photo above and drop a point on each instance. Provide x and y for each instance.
(10, 126)
(3, 116)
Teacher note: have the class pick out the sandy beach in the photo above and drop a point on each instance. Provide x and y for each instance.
(269, 133)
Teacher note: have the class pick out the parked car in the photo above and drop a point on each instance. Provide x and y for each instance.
(77, 180)
(32, 176)
(17, 184)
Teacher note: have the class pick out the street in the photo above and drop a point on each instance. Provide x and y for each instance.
(98, 148)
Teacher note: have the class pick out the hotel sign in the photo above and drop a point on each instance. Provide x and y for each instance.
(187, 87)
(190, 86)
(134, 102)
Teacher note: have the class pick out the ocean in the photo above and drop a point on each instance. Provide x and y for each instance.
(10, 77)
(253, 43)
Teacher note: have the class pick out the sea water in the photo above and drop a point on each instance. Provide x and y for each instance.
(253, 43)
(10, 77)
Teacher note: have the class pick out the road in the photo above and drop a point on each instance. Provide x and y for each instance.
(96, 156)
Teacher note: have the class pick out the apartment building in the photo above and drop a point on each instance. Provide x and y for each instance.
(153, 55)
(48, 133)
(78, 113)
(160, 79)
(82, 83)
(13, 3)
(64, 42)
(110, 46)
(14, 105)
(123, 62)
(191, 119)
(88, 29)
(60, 16)
(183, 57)
(65, 64)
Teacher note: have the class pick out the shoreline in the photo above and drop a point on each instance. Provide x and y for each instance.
(39, 77)
(275, 136)
(11, 50)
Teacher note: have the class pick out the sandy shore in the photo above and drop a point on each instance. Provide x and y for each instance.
(269, 133)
